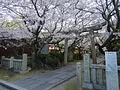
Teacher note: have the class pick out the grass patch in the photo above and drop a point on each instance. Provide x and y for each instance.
(78, 60)
(4, 75)
(17, 76)
(71, 86)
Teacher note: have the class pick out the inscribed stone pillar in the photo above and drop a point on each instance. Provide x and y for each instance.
(111, 71)
(87, 62)
(86, 58)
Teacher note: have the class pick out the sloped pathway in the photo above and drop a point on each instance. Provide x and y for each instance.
(48, 80)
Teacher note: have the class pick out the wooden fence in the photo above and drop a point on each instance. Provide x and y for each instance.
(18, 65)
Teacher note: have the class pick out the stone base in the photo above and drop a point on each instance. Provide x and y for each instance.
(87, 85)
(24, 72)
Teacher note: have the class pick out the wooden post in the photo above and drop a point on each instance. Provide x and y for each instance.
(11, 62)
(79, 75)
(93, 47)
(24, 63)
(66, 51)
(111, 71)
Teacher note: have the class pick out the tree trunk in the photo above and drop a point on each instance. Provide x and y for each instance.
(33, 61)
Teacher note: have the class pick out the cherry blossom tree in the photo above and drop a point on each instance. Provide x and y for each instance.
(45, 18)
(109, 9)
(39, 16)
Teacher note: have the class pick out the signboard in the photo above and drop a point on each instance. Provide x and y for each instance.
(111, 61)
(45, 49)
(111, 71)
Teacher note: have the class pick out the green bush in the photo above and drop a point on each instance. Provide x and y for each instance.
(58, 55)
(52, 61)
(42, 57)
(40, 60)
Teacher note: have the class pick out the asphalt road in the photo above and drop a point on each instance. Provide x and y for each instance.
(48, 80)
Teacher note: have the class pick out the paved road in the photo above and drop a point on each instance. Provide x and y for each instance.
(48, 80)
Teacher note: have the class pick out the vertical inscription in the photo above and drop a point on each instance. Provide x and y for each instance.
(87, 68)
(111, 71)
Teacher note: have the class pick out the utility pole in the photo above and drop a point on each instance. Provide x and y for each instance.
(93, 47)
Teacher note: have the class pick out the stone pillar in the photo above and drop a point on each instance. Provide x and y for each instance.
(66, 51)
(93, 48)
(87, 62)
(24, 63)
(79, 75)
(86, 58)
(3, 57)
(11, 62)
(111, 71)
